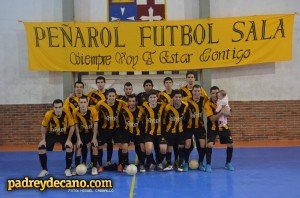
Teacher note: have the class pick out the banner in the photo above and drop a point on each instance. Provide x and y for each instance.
(160, 45)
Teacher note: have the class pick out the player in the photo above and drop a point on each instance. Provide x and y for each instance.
(128, 90)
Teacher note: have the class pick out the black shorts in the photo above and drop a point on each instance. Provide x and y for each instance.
(224, 136)
(198, 133)
(107, 135)
(86, 138)
(175, 138)
(155, 139)
(128, 137)
(52, 138)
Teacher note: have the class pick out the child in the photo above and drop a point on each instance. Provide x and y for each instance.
(222, 102)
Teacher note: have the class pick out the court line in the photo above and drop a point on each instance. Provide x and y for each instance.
(131, 192)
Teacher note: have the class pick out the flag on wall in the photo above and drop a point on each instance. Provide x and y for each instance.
(136, 10)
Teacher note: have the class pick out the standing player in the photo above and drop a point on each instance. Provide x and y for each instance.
(108, 129)
(86, 127)
(57, 126)
(143, 96)
(176, 119)
(214, 130)
(71, 102)
(130, 122)
(195, 126)
(128, 89)
(154, 131)
(94, 98)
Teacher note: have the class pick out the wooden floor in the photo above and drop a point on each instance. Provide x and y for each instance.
(274, 143)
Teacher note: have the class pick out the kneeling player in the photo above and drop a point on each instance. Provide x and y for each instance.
(176, 121)
(57, 126)
(130, 122)
(86, 127)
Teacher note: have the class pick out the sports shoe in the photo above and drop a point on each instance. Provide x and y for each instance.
(151, 167)
(100, 169)
(94, 171)
(168, 167)
(185, 167)
(120, 168)
(180, 168)
(160, 167)
(43, 173)
(108, 163)
(176, 164)
(229, 166)
(208, 168)
(142, 168)
(68, 172)
(201, 166)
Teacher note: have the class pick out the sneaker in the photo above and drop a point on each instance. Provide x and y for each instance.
(180, 168)
(108, 163)
(43, 173)
(94, 171)
(176, 164)
(124, 168)
(100, 169)
(185, 167)
(229, 166)
(160, 167)
(208, 168)
(168, 167)
(68, 172)
(151, 167)
(201, 166)
(142, 168)
(120, 168)
(73, 172)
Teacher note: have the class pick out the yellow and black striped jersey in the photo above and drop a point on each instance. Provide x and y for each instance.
(153, 118)
(187, 93)
(85, 122)
(71, 103)
(108, 115)
(165, 97)
(96, 96)
(143, 97)
(132, 121)
(56, 124)
(176, 119)
(196, 113)
(210, 109)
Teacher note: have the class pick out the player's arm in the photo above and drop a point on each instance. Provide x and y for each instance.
(95, 126)
(43, 132)
(209, 113)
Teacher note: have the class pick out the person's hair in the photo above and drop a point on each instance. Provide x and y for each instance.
(78, 82)
(132, 96)
(168, 79)
(190, 72)
(57, 101)
(148, 81)
(176, 91)
(151, 92)
(83, 97)
(127, 84)
(111, 90)
(223, 92)
(100, 78)
(214, 88)
(196, 86)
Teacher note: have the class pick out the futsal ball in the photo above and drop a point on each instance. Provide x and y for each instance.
(81, 169)
(131, 169)
(193, 164)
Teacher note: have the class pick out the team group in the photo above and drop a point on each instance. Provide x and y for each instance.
(161, 121)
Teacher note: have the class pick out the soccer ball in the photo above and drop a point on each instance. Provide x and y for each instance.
(81, 169)
(193, 164)
(131, 169)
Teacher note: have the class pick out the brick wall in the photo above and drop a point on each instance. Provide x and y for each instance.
(251, 120)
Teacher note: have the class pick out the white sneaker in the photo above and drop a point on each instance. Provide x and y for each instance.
(94, 171)
(43, 173)
(68, 173)
(168, 168)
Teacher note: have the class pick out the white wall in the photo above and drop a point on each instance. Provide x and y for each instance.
(18, 85)
(271, 81)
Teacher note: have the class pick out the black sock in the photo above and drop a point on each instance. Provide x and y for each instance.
(142, 158)
(180, 154)
(208, 155)
(94, 160)
(43, 161)
(201, 152)
(125, 158)
(119, 153)
(121, 158)
(186, 155)
(229, 154)
(77, 160)
(100, 155)
(110, 148)
(157, 151)
(68, 159)
(138, 150)
(168, 157)
(150, 159)
(161, 158)
(175, 150)
(84, 152)
(192, 147)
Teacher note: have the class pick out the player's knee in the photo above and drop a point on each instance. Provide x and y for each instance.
(210, 145)
(68, 149)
